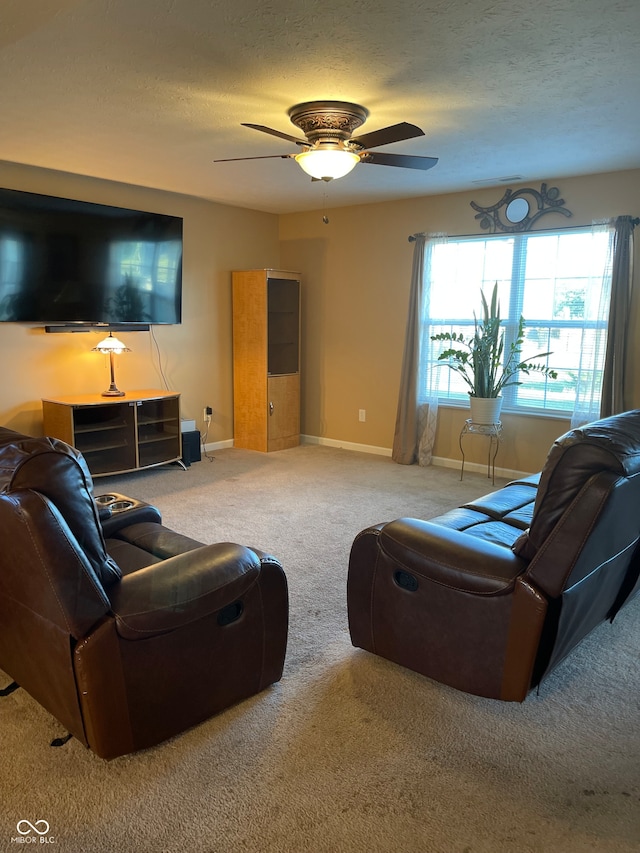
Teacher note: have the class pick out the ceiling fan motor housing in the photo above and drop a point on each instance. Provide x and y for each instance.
(328, 122)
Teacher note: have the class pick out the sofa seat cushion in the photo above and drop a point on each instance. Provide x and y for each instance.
(129, 557)
(497, 505)
(529, 479)
(520, 518)
(498, 532)
(498, 517)
(460, 518)
(156, 539)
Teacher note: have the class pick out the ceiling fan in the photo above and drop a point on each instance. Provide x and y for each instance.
(329, 150)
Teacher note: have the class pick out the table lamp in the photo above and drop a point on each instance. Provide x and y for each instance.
(111, 346)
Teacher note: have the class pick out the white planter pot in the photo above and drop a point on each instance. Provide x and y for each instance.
(485, 410)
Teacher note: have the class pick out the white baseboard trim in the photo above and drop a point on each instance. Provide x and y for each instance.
(479, 468)
(219, 445)
(345, 445)
(441, 461)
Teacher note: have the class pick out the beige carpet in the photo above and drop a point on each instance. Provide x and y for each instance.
(348, 752)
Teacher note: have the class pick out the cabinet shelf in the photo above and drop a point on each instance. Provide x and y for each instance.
(139, 430)
(155, 438)
(156, 420)
(98, 448)
(93, 428)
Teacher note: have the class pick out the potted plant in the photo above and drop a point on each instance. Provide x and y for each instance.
(481, 361)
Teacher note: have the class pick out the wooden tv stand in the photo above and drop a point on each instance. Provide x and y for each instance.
(118, 434)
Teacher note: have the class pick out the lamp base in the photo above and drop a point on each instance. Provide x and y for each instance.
(113, 392)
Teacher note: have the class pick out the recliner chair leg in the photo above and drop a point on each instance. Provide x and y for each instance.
(9, 688)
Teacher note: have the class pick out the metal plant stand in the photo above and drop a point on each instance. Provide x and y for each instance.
(494, 434)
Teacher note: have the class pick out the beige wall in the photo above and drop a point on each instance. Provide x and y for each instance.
(195, 356)
(356, 273)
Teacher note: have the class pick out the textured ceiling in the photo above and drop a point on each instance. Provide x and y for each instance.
(150, 92)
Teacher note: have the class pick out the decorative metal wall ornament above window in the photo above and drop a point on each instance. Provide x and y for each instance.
(522, 209)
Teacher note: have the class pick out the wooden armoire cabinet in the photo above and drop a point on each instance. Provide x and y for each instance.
(266, 359)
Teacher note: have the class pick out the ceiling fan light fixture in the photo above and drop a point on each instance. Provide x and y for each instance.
(329, 149)
(327, 164)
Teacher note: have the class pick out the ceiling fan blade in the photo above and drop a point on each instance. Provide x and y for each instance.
(386, 135)
(263, 157)
(406, 161)
(273, 132)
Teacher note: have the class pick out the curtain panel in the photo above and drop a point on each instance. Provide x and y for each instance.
(613, 400)
(417, 413)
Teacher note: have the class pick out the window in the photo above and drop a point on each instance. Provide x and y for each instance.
(560, 283)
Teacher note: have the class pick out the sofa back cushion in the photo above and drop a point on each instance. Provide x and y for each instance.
(611, 444)
(60, 473)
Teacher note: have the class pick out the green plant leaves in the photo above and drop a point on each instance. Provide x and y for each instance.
(481, 363)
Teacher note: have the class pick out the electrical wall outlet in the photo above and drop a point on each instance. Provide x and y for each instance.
(207, 413)
(362, 415)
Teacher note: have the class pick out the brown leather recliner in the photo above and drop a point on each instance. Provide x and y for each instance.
(127, 633)
(490, 597)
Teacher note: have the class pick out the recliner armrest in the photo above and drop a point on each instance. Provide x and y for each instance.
(182, 589)
(450, 557)
(113, 522)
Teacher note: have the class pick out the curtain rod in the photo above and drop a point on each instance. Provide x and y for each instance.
(412, 237)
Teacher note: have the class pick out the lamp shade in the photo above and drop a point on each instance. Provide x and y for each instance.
(111, 344)
(325, 164)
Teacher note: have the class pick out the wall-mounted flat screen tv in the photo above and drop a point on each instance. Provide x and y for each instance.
(74, 262)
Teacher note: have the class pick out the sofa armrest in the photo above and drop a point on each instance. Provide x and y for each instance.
(450, 557)
(182, 589)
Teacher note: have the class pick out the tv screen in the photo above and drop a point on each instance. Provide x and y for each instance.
(68, 262)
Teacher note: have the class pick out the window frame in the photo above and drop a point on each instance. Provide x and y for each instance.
(517, 287)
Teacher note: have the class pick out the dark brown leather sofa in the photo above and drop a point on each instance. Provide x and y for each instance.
(490, 597)
(126, 631)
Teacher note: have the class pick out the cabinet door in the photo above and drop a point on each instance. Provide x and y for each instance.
(284, 412)
(158, 431)
(283, 309)
(104, 436)
(250, 360)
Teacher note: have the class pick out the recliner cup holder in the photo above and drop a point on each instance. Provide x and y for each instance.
(111, 503)
(120, 506)
(115, 509)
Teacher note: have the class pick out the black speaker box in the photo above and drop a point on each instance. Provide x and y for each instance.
(191, 447)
